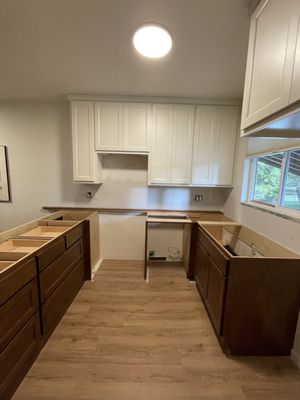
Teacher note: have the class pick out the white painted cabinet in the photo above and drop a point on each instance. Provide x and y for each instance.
(108, 126)
(160, 159)
(171, 151)
(182, 143)
(224, 149)
(122, 127)
(295, 90)
(86, 163)
(270, 60)
(204, 142)
(214, 145)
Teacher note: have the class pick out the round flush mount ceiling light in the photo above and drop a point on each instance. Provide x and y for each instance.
(152, 41)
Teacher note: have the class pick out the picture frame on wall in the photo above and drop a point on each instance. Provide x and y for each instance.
(4, 178)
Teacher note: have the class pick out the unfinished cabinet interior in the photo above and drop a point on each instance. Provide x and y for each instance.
(122, 127)
(87, 166)
(250, 287)
(43, 264)
(273, 68)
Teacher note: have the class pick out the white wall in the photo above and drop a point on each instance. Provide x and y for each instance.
(38, 138)
(277, 228)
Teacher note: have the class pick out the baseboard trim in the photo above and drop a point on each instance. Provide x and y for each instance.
(295, 357)
(96, 267)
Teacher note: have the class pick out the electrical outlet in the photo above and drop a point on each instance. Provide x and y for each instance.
(151, 253)
(198, 197)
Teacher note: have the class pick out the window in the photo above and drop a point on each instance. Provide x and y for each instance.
(274, 180)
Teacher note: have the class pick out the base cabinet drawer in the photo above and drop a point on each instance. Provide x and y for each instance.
(58, 302)
(73, 236)
(17, 311)
(55, 272)
(18, 356)
(48, 255)
(15, 279)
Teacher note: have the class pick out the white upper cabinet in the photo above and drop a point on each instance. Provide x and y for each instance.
(160, 158)
(136, 127)
(86, 164)
(204, 140)
(108, 122)
(182, 142)
(295, 90)
(270, 61)
(122, 127)
(214, 145)
(224, 147)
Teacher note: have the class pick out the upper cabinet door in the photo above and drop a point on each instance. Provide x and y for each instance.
(182, 143)
(204, 140)
(160, 156)
(108, 126)
(295, 91)
(224, 149)
(136, 126)
(270, 61)
(86, 165)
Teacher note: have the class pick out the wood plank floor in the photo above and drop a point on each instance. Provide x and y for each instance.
(124, 339)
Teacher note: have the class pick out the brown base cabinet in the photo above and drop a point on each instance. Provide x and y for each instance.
(34, 295)
(253, 302)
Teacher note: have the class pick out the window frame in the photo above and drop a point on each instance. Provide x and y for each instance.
(249, 183)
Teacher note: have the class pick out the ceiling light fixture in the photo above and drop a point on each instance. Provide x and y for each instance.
(152, 41)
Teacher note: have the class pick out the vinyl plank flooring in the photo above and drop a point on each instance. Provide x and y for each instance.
(123, 338)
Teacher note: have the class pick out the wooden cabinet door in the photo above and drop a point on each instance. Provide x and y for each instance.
(215, 295)
(136, 126)
(204, 141)
(182, 142)
(161, 149)
(269, 62)
(224, 149)
(86, 165)
(108, 126)
(201, 269)
(214, 145)
(295, 90)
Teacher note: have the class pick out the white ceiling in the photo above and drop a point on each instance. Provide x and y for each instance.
(50, 48)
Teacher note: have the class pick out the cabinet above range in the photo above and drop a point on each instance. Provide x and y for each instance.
(187, 144)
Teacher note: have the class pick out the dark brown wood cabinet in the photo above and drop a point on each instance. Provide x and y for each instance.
(201, 268)
(253, 302)
(215, 294)
(34, 295)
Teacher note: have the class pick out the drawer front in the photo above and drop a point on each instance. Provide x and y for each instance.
(48, 255)
(17, 311)
(55, 272)
(215, 295)
(73, 236)
(18, 356)
(58, 302)
(16, 278)
(218, 257)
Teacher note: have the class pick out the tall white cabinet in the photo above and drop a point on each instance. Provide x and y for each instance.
(86, 163)
(170, 159)
(214, 145)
